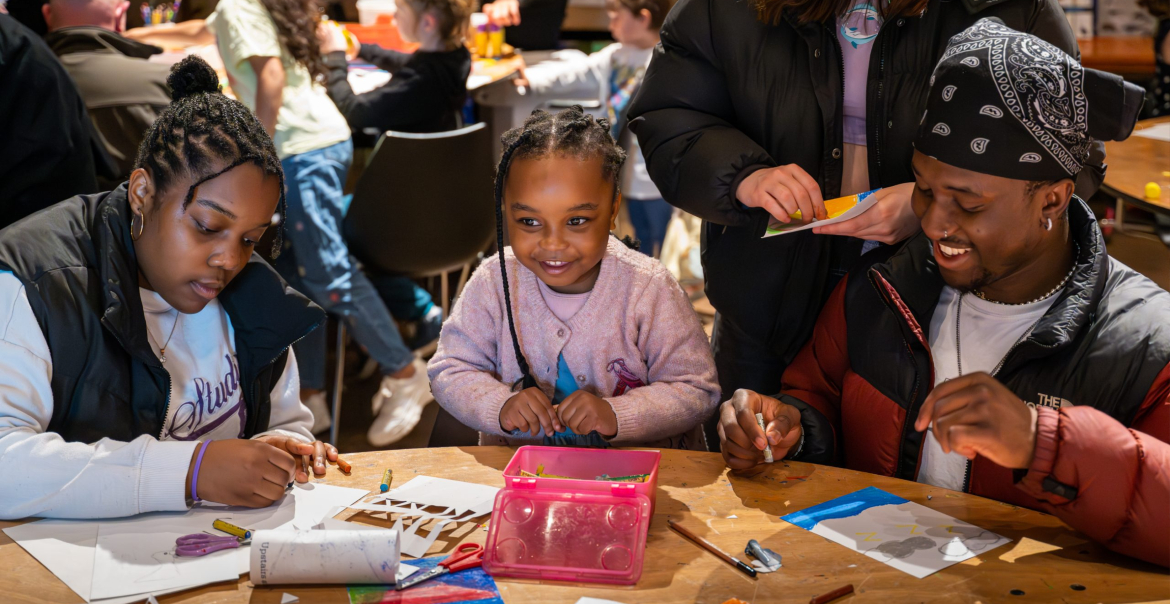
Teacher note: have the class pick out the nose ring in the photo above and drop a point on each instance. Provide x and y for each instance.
(944, 234)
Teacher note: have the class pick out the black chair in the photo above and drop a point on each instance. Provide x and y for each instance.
(422, 208)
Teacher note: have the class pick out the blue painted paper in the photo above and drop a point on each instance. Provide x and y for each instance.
(842, 507)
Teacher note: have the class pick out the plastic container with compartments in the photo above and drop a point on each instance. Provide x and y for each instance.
(584, 530)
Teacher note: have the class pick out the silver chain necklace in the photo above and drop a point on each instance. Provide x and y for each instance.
(1027, 332)
(163, 349)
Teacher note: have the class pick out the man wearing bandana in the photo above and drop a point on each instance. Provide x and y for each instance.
(1001, 351)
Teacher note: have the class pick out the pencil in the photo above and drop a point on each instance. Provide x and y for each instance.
(825, 598)
(707, 545)
(344, 465)
(387, 476)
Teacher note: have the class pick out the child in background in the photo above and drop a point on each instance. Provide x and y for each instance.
(143, 351)
(618, 69)
(272, 56)
(428, 87)
(603, 347)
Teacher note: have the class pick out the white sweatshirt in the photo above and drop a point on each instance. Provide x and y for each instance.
(42, 475)
(613, 66)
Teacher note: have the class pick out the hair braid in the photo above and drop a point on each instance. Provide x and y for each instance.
(527, 381)
(203, 134)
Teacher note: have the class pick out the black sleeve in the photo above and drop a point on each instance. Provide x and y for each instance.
(390, 60)
(403, 100)
(820, 444)
(684, 121)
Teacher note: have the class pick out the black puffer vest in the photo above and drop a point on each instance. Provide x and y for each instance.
(77, 263)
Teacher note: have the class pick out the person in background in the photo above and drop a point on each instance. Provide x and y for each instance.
(1158, 97)
(617, 70)
(603, 347)
(540, 28)
(123, 92)
(428, 87)
(271, 51)
(145, 354)
(1001, 352)
(48, 151)
(755, 110)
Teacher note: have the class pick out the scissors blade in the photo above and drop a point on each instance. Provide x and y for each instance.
(420, 577)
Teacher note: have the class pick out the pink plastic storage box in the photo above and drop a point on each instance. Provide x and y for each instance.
(586, 464)
(591, 531)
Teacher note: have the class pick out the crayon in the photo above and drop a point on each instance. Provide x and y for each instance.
(232, 529)
(767, 449)
(825, 598)
(387, 476)
(344, 465)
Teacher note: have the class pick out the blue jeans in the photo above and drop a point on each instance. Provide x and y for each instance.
(650, 217)
(316, 261)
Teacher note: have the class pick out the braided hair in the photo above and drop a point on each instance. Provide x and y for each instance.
(570, 133)
(201, 130)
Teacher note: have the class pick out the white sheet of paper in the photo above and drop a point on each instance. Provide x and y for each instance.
(289, 599)
(137, 555)
(585, 600)
(459, 502)
(907, 536)
(67, 547)
(868, 199)
(1158, 132)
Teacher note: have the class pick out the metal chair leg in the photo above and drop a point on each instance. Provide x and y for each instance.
(338, 380)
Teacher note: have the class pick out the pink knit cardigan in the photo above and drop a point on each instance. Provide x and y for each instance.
(636, 343)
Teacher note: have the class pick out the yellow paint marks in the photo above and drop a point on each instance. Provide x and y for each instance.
(869, 536)
(912, 527)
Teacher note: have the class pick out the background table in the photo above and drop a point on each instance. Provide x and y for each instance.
(1134, 162)
(1128, 56)
(696, 489)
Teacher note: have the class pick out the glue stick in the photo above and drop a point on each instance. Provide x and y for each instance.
(768, 448)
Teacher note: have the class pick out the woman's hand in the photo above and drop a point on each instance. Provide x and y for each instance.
(583, 413)
(890, 220)
(783, 191)
(529, 411)
(318, 453)
(503, 12)
(249, 473)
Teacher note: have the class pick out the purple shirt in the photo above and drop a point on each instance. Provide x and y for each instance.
(856, 30)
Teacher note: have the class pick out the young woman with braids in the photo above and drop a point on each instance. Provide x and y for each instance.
(144, 347)
(603, 346)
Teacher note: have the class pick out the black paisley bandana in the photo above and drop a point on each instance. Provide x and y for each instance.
(1009, 104)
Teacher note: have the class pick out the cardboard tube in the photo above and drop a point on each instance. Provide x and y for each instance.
(324, 556)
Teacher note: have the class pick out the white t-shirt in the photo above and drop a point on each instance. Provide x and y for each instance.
(108, 478)
(989, 330)
(308, 120)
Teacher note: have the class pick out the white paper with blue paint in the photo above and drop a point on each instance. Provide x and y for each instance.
(907, 536)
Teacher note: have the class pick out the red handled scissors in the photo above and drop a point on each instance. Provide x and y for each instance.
(468, 555)
(201, 544)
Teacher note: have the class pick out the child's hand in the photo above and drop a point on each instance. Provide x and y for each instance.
(583, 413)
(530, 411)
(249, 473)
(317, 453)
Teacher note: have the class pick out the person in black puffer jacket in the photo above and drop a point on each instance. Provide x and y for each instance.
(751, 109)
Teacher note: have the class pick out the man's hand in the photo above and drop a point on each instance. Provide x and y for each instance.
(976, 415)
(782, 191)
(529, 411)
(316, 453)
(583, 413)
(504, 13)
(742, 440)
(890, 220)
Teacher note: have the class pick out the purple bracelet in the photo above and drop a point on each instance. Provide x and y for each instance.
(195, 475)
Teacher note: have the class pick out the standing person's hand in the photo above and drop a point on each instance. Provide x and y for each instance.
(782, 191)
(977, 415)
(584, 412)
(890, 220)
(332, 39)
(249, 473)
(529, 411)
(740, 437)
(504, 13)
(316, 452)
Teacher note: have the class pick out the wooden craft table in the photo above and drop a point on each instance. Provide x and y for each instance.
(1044, 560)
(1134, 162)
(1127, 56)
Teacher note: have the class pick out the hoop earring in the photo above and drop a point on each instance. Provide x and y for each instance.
(1048, 225)
(141, 226)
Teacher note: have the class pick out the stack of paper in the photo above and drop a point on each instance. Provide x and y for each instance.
(458, 502)
(125, 560)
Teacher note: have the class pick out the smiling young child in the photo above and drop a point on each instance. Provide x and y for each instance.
(570, 337)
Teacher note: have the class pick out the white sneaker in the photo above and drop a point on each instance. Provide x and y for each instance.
(321, 420)
(402, 406)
